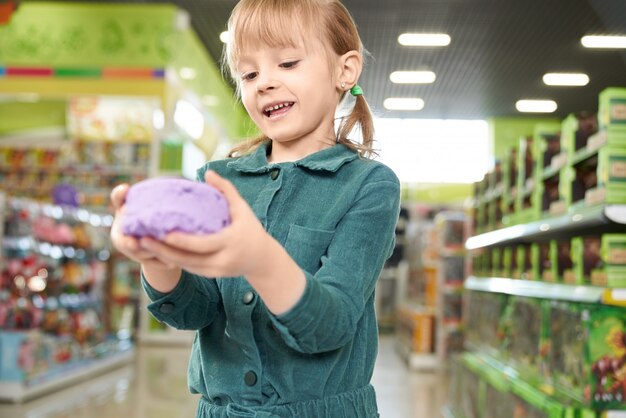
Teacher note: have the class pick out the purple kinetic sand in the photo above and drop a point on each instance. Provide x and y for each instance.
(157, 206)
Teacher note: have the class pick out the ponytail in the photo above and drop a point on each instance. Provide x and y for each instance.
(361, 116)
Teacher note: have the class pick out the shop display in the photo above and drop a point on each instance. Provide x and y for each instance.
(429, 325)
(559, 340)
(53, 287)
(190, 207)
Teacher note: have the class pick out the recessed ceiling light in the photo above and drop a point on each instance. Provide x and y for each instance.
(225, 37)
(566, 79)
(412, 77)
(424, 39)
(601, 41)
(403, 103)
(536, 106)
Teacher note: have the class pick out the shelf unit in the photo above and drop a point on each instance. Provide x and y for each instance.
(55, 324)
(429, 325)
(578, 222)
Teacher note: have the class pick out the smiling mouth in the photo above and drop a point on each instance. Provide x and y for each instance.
(278, 109)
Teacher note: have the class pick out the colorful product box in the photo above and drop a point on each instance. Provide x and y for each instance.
(585, 258)
(524, 263)
(483, 312)
(576, 129)
(611, 178)
(612, 108)
(560, 262)
(588, 354)
(541, 262)
(524, 329)
(610, 271)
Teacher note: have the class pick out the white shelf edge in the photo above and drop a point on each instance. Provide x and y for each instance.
(18, 391)
(536, 289)
(552, 225)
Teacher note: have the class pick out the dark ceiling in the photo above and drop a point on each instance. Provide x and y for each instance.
(499, 52)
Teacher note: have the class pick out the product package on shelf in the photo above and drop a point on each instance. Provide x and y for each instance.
(524, 329)
(53, 287)
(526, 208)
(612, 109)
(610, 271)
(541, 262)
(561, 261)
(483, 314)
(92, 167)
(588, 354)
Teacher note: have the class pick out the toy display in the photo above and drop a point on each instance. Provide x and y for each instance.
(52, 287)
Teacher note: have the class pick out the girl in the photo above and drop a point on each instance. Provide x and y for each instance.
(283, 298)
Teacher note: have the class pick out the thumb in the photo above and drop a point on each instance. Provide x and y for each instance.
(118, 195)
(226, 187)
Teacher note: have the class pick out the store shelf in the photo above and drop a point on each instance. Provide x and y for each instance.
(18, 391)
(545, 290)
(611, 216)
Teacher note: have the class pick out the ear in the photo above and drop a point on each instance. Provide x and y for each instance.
(349, 69)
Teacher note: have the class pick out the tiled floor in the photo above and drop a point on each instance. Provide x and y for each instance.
(155, 387)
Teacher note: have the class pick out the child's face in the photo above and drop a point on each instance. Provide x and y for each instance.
(301, 83)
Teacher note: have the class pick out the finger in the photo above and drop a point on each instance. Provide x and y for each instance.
(196, 243)
(118, 195)
(172, 256)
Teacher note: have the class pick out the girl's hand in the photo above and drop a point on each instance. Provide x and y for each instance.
(128, 245)
(236, 250)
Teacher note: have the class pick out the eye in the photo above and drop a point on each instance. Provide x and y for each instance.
(289, 64)
(249, 76)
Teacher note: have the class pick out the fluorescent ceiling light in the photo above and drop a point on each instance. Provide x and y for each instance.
(424, 39)
(412, 77)
(397, 103)
(600, 41)
(536, 106)
(225, 37)
(566, 79)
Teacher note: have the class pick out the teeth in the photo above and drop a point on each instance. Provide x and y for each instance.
(276, 107)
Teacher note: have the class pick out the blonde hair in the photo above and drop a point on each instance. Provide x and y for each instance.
(273, 23)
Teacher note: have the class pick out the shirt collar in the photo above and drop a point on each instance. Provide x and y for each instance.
(328, 159)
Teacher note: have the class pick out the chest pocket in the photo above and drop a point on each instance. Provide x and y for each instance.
(307, 246)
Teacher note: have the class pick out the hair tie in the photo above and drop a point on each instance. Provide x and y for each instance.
(356, 90)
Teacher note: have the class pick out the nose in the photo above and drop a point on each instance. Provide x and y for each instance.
(266, 82)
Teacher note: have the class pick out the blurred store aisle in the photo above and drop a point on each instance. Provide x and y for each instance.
(154, 386)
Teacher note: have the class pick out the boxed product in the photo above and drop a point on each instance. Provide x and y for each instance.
(524, 263)
(541, 261)
(610, 271)
(546, 195)
(611, 177)
(565, 363)
(588, 353)
(525, 206)
(509, 179)
(576, 129)
(560, 262)
(524, 328)
(509, 261)
(612, 108)
(585, 258)
(578, 179)
(496, 262)
(483, 312)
